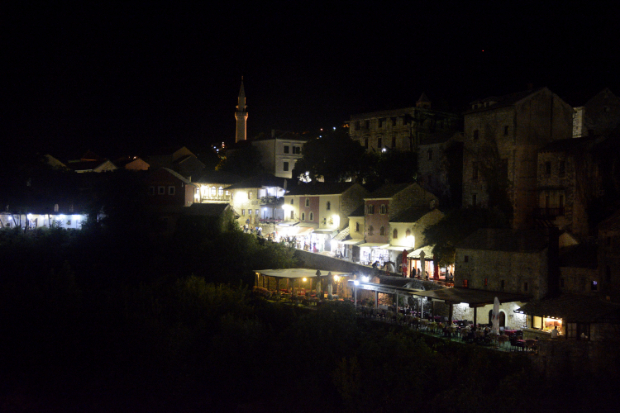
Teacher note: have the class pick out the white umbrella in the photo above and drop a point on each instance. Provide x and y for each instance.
(496, 316)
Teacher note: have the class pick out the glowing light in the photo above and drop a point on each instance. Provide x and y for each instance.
(384, 150)
(356, 282)
(365, 279)
(336, 278)
(304, 279)
(334, 128)
(29, 216)
(61, 216)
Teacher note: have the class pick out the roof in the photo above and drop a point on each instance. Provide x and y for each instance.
(208, 209)
(218, 177)
(428, 252)
(574, 308)
(297, 272)
(423, 98)
(472, 297)
(358, 212)
(259, 181)
(579, 256)
(178, 176)
(510, 99)
(411, 214)
(509, 240)
(319, 188)
(342, 235)
(387, 191)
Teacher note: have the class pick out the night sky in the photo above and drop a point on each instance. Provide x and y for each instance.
(125, 76)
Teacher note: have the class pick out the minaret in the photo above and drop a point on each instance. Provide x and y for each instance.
(242, 116)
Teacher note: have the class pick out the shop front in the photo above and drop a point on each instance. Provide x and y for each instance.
(321, 239)
(421, 263)
(374, 252)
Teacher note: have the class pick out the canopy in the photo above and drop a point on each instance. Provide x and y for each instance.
(428, 252)
(375, 245)
(297, 272)
(351, 242)
(474, 298)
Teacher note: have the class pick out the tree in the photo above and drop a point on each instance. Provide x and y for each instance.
(243, 161)
(335, 157)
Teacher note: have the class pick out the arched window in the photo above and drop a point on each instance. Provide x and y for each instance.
(370, 230)
(357, 227)
(311, 216)
(383, 209)
(395, 233)
(408, 233)
(307, 202)
(220, 191)
(292, 201)
(303, 216)
(382, 231)
(329, 205)
(249, 194)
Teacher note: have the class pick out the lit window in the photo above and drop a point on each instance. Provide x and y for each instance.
(243, 212)
(249, 194)
(465, 284)
(249, 212)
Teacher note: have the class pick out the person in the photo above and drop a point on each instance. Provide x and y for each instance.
(375, 265)
(555, 332)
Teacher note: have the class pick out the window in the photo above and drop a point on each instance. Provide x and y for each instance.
(256, 212)
(151, 190)
(286, 149)
(324, 221)
(393, 141)
(474, 172)
(171, 190)
(243, 212)
(303, 216)
(249, 212)
(502, 284)
(465, 284)
(366, 143)
(311, 216)
(594, 286)
(562, 169)
(220, 191)
(307, 202)
(466, 258)
(213, 191)
(408, 233)
(525, 286)
(474, 200)
(285, 166)
(357, 229)
(379, 143)
(383, 209)
(486, 282)
(297, 150)
(547, 168)
(329, 205)
(382, 231)
(506, 130)
(161, 190)
(371, 230)
(249, 194)
(395, 233)
(370, 209)
(476, 135)
(292, 215)
(430, 154)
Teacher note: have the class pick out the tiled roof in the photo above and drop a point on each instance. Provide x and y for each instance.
(574, 308)
(411, 215)
(259, 181)
(359, 211)
(501, 101)
(387, 191)
(492, 239)
(178, 176)
(319, 188)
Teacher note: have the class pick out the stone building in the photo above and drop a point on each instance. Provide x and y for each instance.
(440, 166)
(502, 137)
(609, 258)
(279, 152)
(401, 129)
(258, 199)
(599, 115)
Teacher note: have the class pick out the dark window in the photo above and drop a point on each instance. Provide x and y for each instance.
(329, 205)
(548, 168)
(383, 209)
(357, 227)
(395, 233)
(506, 130)
(370, 209)
(370, 230)
(292, 215)
(307, 201)
(311, 216)
(303, 216)
(292, 201)
(285, 166)
(286, 149)
(151, 190)
(161, 190)
(393, 141)
(379, 141)
(171, 190)
(466, 258)
(502, 284)
(525, 286)
(476, 135)
(382, 231)
(473, 200)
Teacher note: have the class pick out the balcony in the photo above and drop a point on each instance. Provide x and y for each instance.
(548, 213)
(271, 201)
(214, 198)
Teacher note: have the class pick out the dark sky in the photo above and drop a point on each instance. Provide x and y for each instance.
(123, 76)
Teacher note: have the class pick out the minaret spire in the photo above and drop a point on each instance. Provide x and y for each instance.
(241, 115)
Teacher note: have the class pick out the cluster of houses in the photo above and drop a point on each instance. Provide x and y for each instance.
(554, 162)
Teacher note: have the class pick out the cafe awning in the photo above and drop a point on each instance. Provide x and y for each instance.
(573, 308)
(428, 252)
(399, 249)
(297, 272)
(380, 245)
(475, 298)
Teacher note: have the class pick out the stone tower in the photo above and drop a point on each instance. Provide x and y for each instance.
(241, 115)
